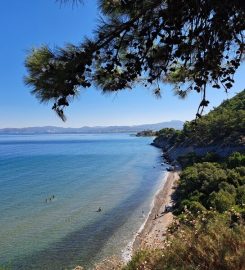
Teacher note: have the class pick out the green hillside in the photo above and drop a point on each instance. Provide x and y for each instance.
(225, 125)
(209, 229)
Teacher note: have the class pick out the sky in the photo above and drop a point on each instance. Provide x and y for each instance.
(25, 24)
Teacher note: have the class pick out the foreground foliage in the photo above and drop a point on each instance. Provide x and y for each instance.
(147, 42)
(209, 232)
(210, 241)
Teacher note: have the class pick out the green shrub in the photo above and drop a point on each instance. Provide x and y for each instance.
(208, 244)
(236, 160)
(240, 197)
(210, 232)
(222, 200)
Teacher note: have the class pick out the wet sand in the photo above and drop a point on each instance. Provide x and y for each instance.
(154, 230)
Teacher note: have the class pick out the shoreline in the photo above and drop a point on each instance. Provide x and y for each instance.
(153, 231)
(129, 249)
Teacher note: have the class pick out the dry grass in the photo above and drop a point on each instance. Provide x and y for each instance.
(111, 263)
(207, 245)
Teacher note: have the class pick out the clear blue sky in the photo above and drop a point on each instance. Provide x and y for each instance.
(28, 23)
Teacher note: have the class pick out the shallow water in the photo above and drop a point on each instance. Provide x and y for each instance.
(51, 187)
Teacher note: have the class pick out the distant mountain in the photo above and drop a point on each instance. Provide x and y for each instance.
(98, 129)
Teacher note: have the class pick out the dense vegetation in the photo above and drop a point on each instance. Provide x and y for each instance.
(210, 230)
(170, 135)
(211, 184)
(146, 133)
(208, 242)
(225, 125)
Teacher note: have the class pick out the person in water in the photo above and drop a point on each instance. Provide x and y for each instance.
(99, 210)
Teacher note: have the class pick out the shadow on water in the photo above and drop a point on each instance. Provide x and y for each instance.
(81, 247)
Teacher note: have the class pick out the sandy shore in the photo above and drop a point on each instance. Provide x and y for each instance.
(154, 231)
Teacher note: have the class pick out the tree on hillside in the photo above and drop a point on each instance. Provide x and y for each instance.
(188, 42)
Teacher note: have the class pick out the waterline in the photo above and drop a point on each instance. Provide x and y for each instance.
(119, 173)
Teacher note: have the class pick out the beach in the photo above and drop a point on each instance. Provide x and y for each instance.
(152, 234)
(153, 231)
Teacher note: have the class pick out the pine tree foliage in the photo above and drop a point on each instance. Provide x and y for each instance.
(191, 43)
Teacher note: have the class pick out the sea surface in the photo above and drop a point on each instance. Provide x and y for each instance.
(51, 187)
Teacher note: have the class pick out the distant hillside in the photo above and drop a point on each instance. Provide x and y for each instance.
(176, 124)
(224, 125)
(221, 129)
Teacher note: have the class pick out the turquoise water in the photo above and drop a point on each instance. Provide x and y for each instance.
(51, 187)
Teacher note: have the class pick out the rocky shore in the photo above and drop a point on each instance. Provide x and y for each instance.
(172, 152)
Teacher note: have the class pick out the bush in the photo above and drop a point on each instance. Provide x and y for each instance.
(236, 160)
(222, 200)
(207, 245)
(203, 238)
(240, 197)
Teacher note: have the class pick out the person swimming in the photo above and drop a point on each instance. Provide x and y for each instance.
(99, 210)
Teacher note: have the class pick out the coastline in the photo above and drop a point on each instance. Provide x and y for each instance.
(153, 231)
(129, 249)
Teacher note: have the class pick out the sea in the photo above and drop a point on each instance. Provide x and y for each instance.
(73, 199)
